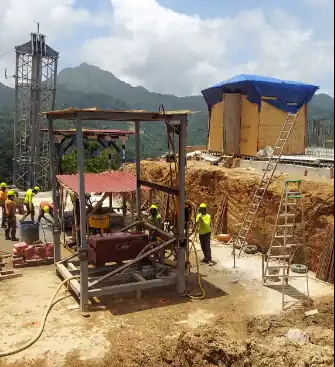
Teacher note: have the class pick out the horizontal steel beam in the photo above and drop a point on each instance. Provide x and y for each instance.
(65, 273)
(128, 287)
(132, 262)
(166, 189)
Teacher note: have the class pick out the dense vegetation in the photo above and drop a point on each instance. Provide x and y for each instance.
(89, 86)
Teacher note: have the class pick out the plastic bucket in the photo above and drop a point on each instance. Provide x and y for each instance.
(29, 232)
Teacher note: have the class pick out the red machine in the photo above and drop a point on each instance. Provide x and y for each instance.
(115, 247)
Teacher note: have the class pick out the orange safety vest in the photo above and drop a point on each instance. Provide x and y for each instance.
(10, 208)
(46, 203)
(3, 197)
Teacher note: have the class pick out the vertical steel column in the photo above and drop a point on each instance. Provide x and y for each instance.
(56, 227)
(138, 167)
(182, 243)
(123, 150)
(83, 255)
(16, 132)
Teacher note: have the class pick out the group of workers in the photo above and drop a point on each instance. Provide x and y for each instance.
(203, 227)
(8, 208)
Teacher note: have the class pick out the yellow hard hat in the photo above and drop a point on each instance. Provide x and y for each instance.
(153, 206)
(3, 184)
(46, 209)
(36, 188)
(203, 205)
(11, 193)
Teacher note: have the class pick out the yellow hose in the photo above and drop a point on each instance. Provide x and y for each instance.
(202, 294)
(44, 319)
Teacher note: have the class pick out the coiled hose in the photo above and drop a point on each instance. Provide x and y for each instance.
(44, 319)
(202, 294)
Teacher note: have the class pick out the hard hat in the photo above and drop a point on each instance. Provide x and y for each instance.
(11, 193)
(203, 205)
(3, 184)
(36, 188)
(153, 206)
(46, 209)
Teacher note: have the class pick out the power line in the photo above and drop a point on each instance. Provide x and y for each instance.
(7, 52)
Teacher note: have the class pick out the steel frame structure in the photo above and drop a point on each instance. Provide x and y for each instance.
(66, 139)
(35, 91)
(89, 284)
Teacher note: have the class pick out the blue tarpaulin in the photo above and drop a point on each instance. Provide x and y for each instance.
(287, 95)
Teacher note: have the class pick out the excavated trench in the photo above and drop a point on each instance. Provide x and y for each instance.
(210, 184)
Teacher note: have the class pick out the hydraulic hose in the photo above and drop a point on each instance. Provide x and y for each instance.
(44, 319)
(202, 291)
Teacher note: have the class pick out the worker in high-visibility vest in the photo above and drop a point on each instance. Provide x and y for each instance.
(28, 202)
(10, 231)
(204, 226)
(3, 198)
(154, 219)
(45, 208)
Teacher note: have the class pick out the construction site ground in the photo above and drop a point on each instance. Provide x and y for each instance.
(238, 323)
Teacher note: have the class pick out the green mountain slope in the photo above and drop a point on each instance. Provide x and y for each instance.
(88, 78)
(89, 86)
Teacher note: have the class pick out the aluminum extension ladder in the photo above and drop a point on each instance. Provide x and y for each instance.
(284, 242)
(264, 182)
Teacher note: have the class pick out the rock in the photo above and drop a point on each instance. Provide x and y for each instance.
(297, 336)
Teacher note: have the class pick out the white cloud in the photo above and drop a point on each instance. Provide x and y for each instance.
(57, 18)
(146, 44)
(176, 53)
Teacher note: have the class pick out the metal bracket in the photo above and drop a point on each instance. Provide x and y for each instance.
(56, 229)
(83, 254)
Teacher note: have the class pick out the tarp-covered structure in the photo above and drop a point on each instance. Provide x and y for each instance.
(247, 113)
(288, 96)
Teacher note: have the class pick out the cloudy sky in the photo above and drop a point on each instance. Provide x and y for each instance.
(180, 46)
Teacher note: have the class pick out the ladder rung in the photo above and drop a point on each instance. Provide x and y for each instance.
(277, 266)
(290, 204)
(287, 215)
(286, 131)
(282, 236)
(280, 256)
(285, 275)
(285, 225)
(285, 247)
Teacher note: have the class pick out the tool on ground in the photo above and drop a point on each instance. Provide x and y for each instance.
(264, 182)
(284, 242)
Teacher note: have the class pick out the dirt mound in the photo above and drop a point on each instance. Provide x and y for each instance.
(283, 340)
(211, 184)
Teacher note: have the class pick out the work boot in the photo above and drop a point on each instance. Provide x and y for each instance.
(7, 237)
(14, 239)
(3, 225)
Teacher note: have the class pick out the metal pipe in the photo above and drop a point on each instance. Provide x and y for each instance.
(162, 233)
(16, 132)
(56, 227)
(135, 261)
(138, 168)
(182, 243)
(83, 250)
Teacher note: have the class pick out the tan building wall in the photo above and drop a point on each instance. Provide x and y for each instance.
(257, 129)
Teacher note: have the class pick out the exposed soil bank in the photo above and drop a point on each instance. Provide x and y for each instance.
(209, 184)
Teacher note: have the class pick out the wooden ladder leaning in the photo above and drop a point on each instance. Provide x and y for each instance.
(259, 194)
(284, 242)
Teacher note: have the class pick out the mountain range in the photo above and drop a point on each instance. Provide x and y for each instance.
(89, 86)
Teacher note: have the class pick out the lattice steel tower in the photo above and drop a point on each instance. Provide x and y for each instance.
(35, 91)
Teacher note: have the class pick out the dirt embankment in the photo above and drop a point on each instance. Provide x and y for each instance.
(210, 184)
(289, 339)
